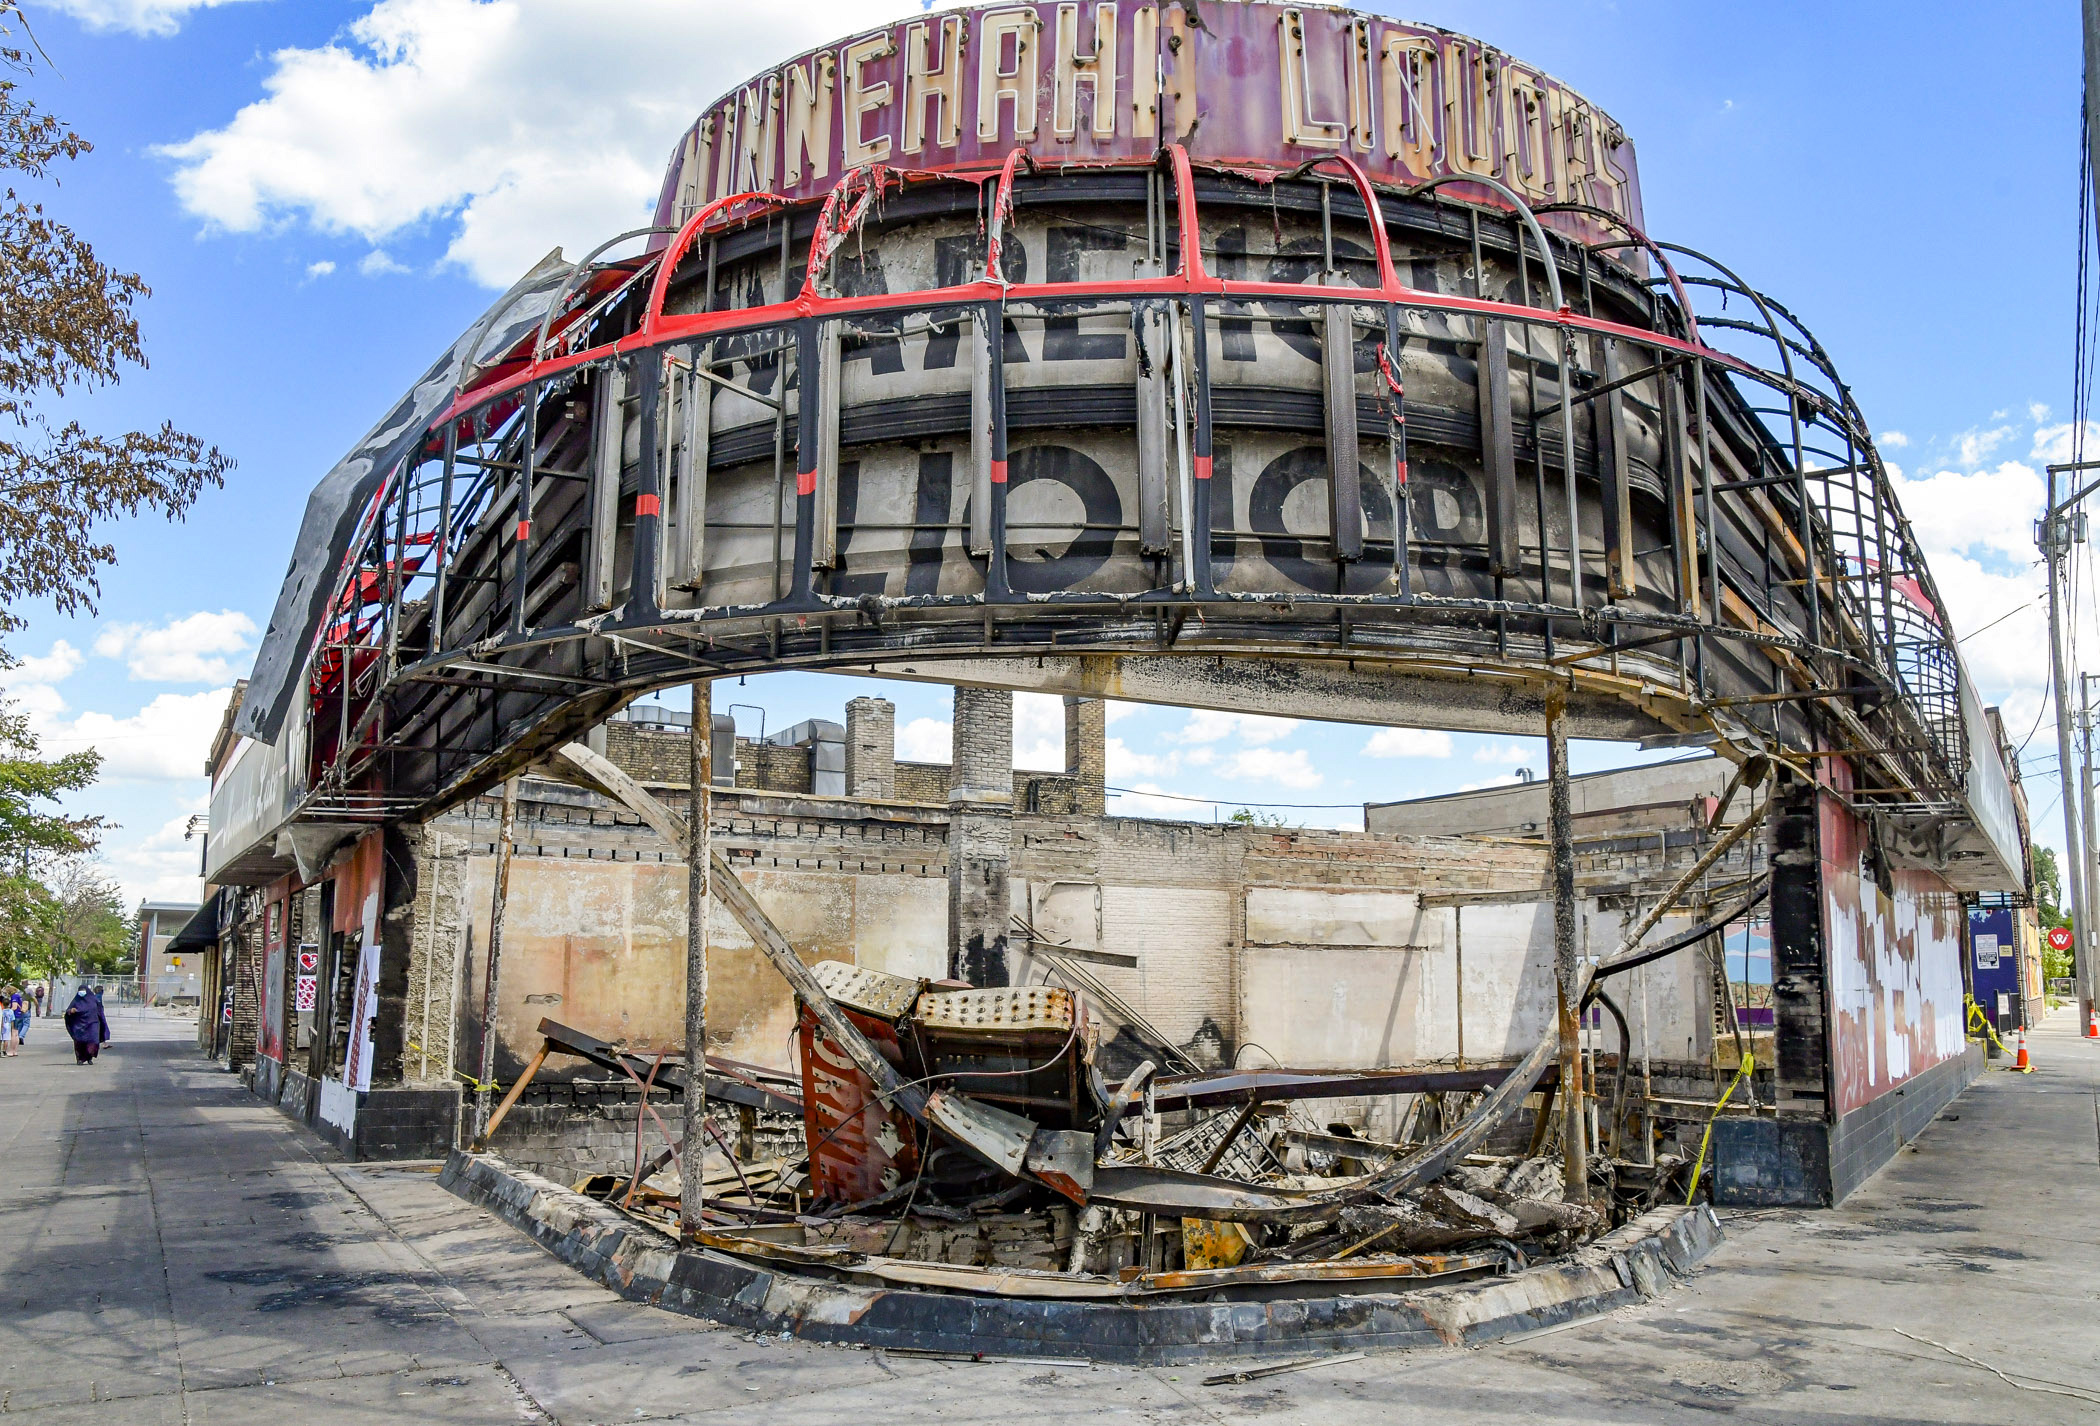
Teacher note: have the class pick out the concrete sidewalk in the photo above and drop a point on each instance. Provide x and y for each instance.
(177, 1252)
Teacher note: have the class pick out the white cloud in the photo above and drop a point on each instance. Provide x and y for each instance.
(1973, 447)
(1893, 438)
(926, 740)
(1408, 743)
(1501, 753)
(1208, 725)
(2053, 444)
(1117, 712)
(377, 263)
(1126, 763)
(54, 667)
(1987, 513)
(1290, 766)
(510, 126)
(166, 740)
(1039, 732)
(2037, 412)
(319, 269)
(140, 17)
(161, 866)
(1508, 779)
(188, 650)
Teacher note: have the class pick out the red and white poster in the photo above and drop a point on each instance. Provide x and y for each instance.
(305, 987)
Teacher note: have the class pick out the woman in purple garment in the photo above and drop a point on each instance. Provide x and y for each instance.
(88, 1026)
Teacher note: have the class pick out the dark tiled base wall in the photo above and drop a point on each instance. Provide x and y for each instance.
(402, 1122)
(1760, 1163)
(1870, 1135)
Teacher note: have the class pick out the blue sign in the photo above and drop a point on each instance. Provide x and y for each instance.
(1994, 958)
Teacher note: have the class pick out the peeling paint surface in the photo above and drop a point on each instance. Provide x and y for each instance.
(1895, 951)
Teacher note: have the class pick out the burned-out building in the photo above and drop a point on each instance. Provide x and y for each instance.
(1267, 358)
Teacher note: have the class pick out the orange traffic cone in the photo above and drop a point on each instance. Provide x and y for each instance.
(2020, 1063)
(2092, 1024)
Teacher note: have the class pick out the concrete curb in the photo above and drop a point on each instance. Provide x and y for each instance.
(1640, 1260)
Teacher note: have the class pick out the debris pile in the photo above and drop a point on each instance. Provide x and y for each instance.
(966, 1138)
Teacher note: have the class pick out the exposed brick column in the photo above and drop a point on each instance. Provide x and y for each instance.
(871, 748)
(980, 835)
(1086, 753)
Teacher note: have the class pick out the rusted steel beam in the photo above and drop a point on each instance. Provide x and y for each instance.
(726, 1080)
(1214, 1091)
(700, 766)
(1566, 963)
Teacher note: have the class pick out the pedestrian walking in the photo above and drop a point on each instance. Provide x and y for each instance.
(88, 1026)
(23, 1002)
(10, 1023)
(40, 1000)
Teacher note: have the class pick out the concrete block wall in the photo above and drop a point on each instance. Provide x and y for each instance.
(440, 983)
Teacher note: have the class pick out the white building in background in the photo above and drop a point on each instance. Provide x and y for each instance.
(167, 975)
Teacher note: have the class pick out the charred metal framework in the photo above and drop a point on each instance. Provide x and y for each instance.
(677, 476)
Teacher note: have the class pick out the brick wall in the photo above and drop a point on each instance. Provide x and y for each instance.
(921, 782)
(1086, 753)
(871, 748)
(766, 768)
(247, 981)
(648, 755)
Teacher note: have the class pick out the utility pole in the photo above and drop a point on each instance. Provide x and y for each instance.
(2088, 868)
(2058, 529)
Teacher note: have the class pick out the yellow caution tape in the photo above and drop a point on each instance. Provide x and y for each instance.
(472, 1083)
(1706, 1140)
(1980, 1021)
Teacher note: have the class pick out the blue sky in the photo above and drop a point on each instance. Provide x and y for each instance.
(322, 194)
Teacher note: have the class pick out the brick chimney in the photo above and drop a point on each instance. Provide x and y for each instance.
(1086, 752)
(871, 748)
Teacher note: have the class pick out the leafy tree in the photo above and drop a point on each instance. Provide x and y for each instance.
(2048, 888)
(38, 844)
(67, 326)
(92, 933)
(1255, 817)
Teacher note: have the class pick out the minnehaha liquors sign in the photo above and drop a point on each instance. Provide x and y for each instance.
(1243, 83)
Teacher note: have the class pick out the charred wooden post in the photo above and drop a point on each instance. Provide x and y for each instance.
(1567, 969)
(506, 841)
(700, 765)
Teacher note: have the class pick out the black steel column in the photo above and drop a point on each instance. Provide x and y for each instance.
(648, 493)
(809, 421)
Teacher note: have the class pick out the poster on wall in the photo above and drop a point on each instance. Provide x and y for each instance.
(364, 1000)
(226, 1007)
(306, 986)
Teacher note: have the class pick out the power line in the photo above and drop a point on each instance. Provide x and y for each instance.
(1237, 802)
